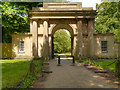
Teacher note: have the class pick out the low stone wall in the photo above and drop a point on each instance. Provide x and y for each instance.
(117, 50)
(110, 46)
(6, 50)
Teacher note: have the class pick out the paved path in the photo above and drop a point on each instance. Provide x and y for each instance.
(68, 76)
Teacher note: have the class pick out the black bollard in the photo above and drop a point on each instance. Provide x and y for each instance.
(58, 60)
(73, 60)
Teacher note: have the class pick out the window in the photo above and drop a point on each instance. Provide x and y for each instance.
(21, 46)
(104, 46)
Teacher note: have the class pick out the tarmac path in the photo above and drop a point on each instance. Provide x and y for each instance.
(68, 76)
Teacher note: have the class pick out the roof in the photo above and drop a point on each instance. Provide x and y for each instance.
(63, 9)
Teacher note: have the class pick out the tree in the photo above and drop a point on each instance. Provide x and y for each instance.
(62, 41)
(15, 18)
(108, 18)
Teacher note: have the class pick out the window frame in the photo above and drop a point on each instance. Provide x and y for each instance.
(23, 47)
(104, 46)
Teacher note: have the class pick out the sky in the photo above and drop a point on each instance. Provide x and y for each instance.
(88, 3)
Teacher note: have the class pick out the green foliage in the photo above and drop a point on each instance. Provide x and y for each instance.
(28, 81)
(15, 18)
(62, 41)
(102, 63)
(108, 19)
(30, 78)
(67, 54)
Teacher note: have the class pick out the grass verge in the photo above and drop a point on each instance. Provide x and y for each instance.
(14, 71)
(102, 63)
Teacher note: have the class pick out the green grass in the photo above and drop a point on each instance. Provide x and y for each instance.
(14, 71)
(56, 55)
(102, 63)
(67, 54)
(31, 78)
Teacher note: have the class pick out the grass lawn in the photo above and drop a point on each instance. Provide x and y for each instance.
(67, 54)
(102, 64)
(14, 71)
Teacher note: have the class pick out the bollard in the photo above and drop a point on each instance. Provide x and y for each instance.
(89, 60)
(117, 69)
(73, 60)
(58, 60)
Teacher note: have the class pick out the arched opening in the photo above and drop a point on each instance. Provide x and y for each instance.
(63, 27)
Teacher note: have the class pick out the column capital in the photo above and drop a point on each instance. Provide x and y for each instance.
(79, 20)
(45, 19)
(79, 24)
(34, 20)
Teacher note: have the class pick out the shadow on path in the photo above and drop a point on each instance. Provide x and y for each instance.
(68, 76)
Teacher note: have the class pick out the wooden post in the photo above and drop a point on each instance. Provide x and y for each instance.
(32, 68)
(89, 61)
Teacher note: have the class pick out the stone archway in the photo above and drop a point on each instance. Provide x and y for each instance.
(58, 27)
(44, 21)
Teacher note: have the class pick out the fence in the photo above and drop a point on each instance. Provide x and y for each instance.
(31, 72)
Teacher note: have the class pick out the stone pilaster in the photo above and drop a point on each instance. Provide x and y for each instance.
(78, 49)
(35, 39)
(45, 40)
(91, 38)
(31, 26)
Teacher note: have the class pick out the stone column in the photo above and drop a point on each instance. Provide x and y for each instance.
(78, 50)
(45, 40)
(35, 39)
(91, 38)
(31, 24)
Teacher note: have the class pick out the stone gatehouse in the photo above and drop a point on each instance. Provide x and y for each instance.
(78, 20)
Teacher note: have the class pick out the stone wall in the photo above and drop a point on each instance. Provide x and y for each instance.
(85, 46)
(27, 46)
(6, 50)
(117, 49)
(97, 42)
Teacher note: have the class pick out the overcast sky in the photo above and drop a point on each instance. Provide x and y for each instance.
(88, 3)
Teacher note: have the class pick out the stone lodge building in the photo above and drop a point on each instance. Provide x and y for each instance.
(78, 20)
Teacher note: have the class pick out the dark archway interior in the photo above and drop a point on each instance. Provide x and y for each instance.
(52, 41)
